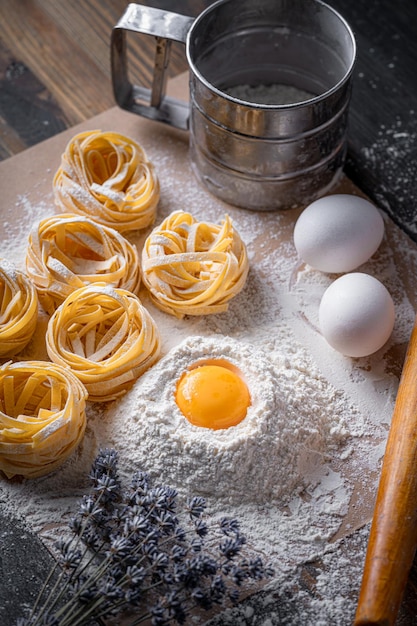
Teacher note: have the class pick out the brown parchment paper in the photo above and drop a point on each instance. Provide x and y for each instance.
(29, 176)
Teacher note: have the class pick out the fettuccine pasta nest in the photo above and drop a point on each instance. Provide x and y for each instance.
(42, 417)
(18, 309)
(107, 176)
(106, 337)
(66, 252)
(193, 268)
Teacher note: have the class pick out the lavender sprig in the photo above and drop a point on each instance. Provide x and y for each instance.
(132, 552)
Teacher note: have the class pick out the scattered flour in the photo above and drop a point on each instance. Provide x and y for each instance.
(302, 469)
(265, 458)
(392, 160)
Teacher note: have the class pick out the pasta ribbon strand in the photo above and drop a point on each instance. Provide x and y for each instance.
(107, 176)
(42, 417)
(193, 268)
(106, 337)
(66, 252)
(18, 310)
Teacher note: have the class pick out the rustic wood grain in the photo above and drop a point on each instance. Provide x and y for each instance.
(61, 50)
(55, 72)
(382, 156)
(59, 59)
(64, 44)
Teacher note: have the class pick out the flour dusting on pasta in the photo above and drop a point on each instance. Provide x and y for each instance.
(318, 421)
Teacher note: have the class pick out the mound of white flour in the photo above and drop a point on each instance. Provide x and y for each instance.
(295, 415)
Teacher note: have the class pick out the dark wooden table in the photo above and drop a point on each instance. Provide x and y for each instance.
(55, 73)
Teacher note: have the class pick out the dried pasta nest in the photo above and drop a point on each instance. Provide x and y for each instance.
(18, 309)
(107, 176)
(193, 268)
(106, 337)
(66, 252)
(42, 417)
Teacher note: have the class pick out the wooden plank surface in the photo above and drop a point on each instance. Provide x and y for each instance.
(55, 72)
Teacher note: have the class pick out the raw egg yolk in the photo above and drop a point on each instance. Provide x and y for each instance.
(212, 396)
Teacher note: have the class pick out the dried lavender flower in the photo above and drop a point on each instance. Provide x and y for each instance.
(132, 552)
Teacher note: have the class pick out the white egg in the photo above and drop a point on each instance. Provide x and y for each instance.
(356, 314)
(338, 233)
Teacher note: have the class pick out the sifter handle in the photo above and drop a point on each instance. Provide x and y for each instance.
(152, 103)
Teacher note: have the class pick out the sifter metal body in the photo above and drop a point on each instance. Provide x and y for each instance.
(256, 155)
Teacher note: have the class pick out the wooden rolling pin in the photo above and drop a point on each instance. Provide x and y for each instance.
(393, 536)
